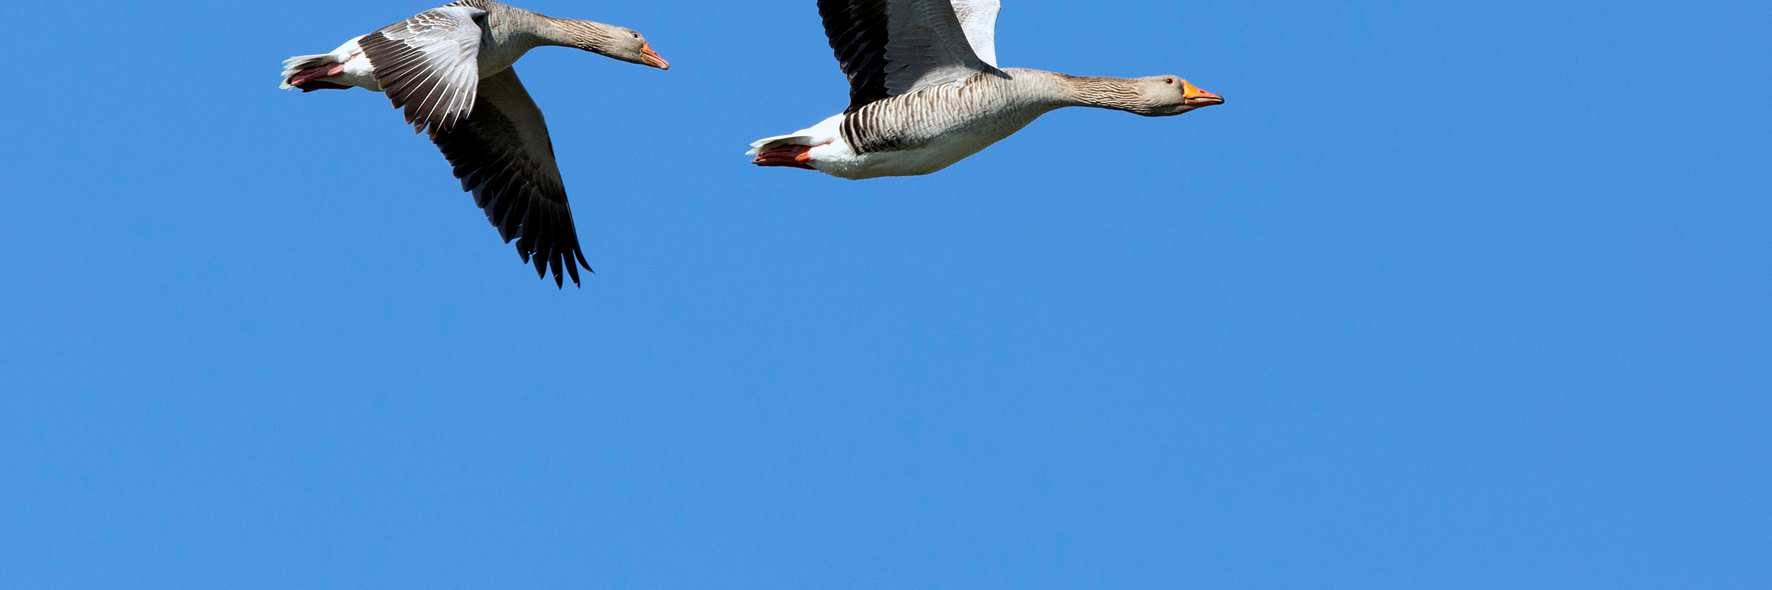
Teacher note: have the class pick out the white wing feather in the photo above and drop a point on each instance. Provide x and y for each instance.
(979, 19)
(429, 64)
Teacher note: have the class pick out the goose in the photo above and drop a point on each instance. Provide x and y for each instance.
(449, 69)
(925, 91)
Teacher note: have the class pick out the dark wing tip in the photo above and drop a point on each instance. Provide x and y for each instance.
(521, 196)
(858, 35)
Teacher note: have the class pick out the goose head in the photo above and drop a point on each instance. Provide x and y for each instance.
(1151, 96)
(630, 46)
(1167, 96)
(617, 42)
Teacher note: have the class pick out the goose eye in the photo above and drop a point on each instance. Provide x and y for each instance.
(1169, 81)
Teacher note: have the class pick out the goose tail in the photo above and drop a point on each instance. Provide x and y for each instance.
(824, 132)
(778, 142)
(306, 71)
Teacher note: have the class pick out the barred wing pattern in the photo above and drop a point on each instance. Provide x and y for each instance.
(429, 65)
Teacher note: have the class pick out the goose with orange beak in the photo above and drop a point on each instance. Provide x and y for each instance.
(449, 69)
(925, 91)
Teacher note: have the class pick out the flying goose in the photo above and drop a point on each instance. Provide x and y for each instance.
(925, 91)
(449, 68)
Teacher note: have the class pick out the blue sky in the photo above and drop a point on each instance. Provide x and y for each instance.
(1448, 295)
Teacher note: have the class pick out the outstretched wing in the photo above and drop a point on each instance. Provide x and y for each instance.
(429, 64)
(979, 19)
(892, 47)
(502, 154)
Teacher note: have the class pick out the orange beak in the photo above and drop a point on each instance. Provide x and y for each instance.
(652, 58)
(1195, 97)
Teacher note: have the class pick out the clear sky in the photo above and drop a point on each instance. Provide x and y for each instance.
(1449, 295)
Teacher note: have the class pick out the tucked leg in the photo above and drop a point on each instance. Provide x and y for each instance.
(789, 156)
(311, 79)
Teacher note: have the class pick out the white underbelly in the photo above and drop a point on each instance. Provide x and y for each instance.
(924, 160)
(927, 159)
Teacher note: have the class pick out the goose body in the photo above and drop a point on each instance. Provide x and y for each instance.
(925, 91)
(450, 70)
(927, 131)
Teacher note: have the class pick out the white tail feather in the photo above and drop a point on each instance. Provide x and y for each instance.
(824, 132)
(778, 141)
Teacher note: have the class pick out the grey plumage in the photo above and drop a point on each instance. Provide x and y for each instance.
(916, 119)
(449, 70)
(925, 91)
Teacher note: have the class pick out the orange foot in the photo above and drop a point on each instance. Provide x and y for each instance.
(791, 156)
(312, 76)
